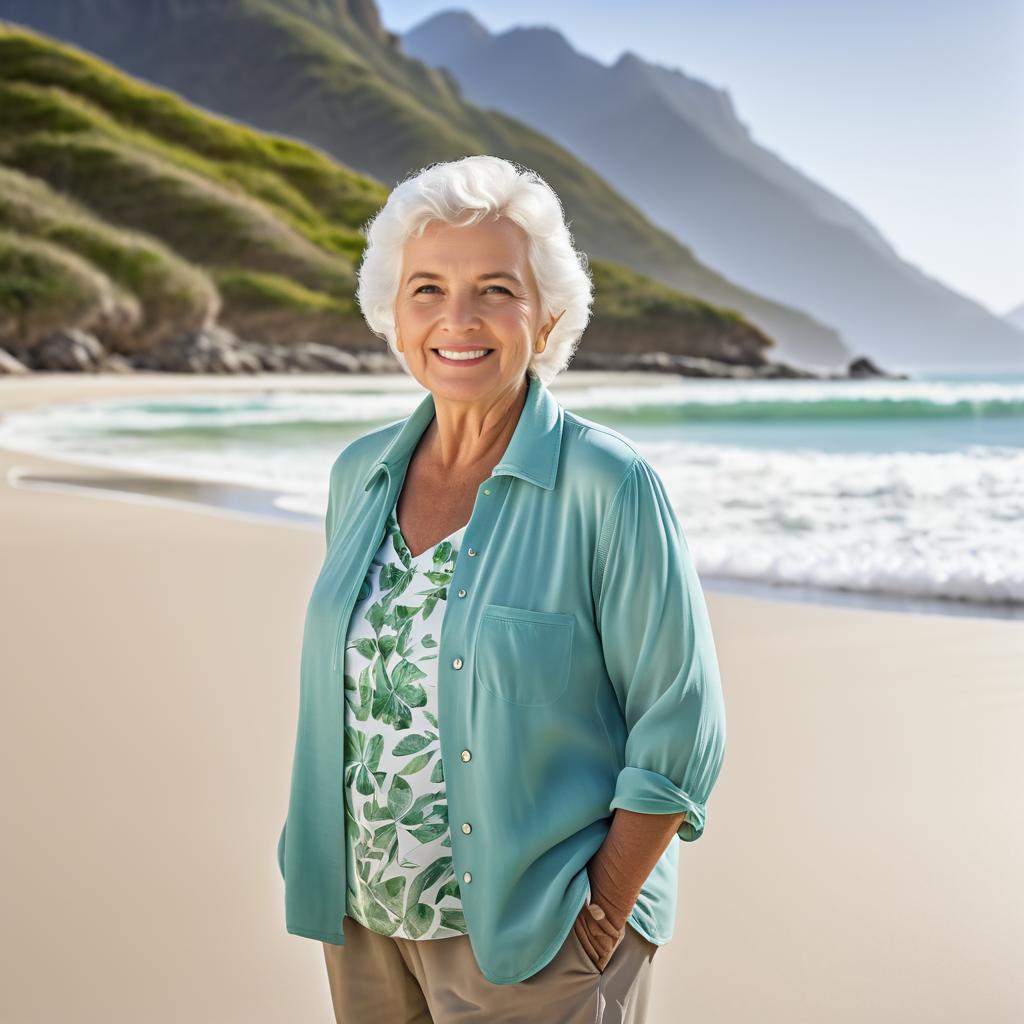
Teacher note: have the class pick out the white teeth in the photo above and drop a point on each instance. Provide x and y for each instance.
(449, 354)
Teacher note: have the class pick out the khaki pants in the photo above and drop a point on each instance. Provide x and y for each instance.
(383, 980)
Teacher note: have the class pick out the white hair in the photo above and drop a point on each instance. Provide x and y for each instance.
(462, 192)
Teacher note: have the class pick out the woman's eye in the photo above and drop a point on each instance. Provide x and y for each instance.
(488, 288)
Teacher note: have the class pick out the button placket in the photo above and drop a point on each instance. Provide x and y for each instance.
(482, 520)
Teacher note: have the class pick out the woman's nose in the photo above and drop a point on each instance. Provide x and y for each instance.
(460, 311)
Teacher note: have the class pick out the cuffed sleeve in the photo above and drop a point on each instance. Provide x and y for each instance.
(660, 655)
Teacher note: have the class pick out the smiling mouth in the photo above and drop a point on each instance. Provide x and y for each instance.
(461, 355)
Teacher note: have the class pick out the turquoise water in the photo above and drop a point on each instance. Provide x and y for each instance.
(889, 492)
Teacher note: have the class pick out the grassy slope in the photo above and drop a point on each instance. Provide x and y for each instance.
(175, 206)
(182, 210)
(314, 70)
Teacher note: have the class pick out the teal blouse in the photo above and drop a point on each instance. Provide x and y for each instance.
(577, 673)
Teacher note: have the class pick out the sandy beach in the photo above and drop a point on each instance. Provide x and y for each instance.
(863, 848)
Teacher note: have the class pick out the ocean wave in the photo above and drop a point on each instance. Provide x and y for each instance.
(920, 524)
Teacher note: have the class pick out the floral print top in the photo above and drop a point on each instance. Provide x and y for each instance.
(401, 881)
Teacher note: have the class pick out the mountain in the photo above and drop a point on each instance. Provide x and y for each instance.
(127, 212)
(328, 73)
(1016, 317)
(674, 146)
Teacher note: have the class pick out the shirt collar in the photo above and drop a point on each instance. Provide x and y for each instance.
(532, 452)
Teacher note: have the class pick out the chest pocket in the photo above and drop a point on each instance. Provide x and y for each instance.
(524, 656)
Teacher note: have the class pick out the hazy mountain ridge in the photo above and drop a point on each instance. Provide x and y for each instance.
(129, 213)
(312, 71)
(676, 148)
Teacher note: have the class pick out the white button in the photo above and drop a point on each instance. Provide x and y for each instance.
(462, 592)
(466, 827)
(467, 877)
(457, 663)
(466, 755)
(471, 552)
(487, 490)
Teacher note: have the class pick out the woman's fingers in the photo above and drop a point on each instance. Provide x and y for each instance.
(598, 938)
(601, 923)
(580, 928)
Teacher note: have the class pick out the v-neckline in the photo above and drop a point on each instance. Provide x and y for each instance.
(426, 551)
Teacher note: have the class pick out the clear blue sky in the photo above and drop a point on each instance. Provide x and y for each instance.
(911, 110)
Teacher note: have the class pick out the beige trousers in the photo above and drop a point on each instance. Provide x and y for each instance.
(384, 980)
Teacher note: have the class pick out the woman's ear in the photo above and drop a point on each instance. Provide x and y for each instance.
(550, 326)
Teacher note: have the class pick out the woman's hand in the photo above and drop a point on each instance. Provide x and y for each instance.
(598, 935)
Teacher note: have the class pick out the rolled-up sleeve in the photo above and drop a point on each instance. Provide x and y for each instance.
(659, 653)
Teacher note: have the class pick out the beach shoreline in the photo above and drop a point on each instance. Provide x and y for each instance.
(862, 848)
(93, 477)
(271, 507)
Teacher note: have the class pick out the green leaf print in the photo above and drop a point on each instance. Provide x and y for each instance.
(398, 543)
(427, 833)
(401, 587)
(366, 646)
(378, 919)
(352, 826)
(390, 576)
(362, 759)
(418, 920)
(411, 745)
(394, 706)
(407, 672)
(375, 616)
(385, 839)
(394, 824)
(359, 695)
(450, 888)
(454, 919)
(374, 811)
(415, 764)
(417, 812)
(437, 871)
(390, 894)
(405, 647)
(365, 865)
(399, 797)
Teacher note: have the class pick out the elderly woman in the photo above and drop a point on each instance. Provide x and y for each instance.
(510, 707)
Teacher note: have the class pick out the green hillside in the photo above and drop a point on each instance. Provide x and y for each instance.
(126, 210)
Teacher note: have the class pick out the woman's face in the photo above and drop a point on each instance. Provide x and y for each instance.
(462, 290)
